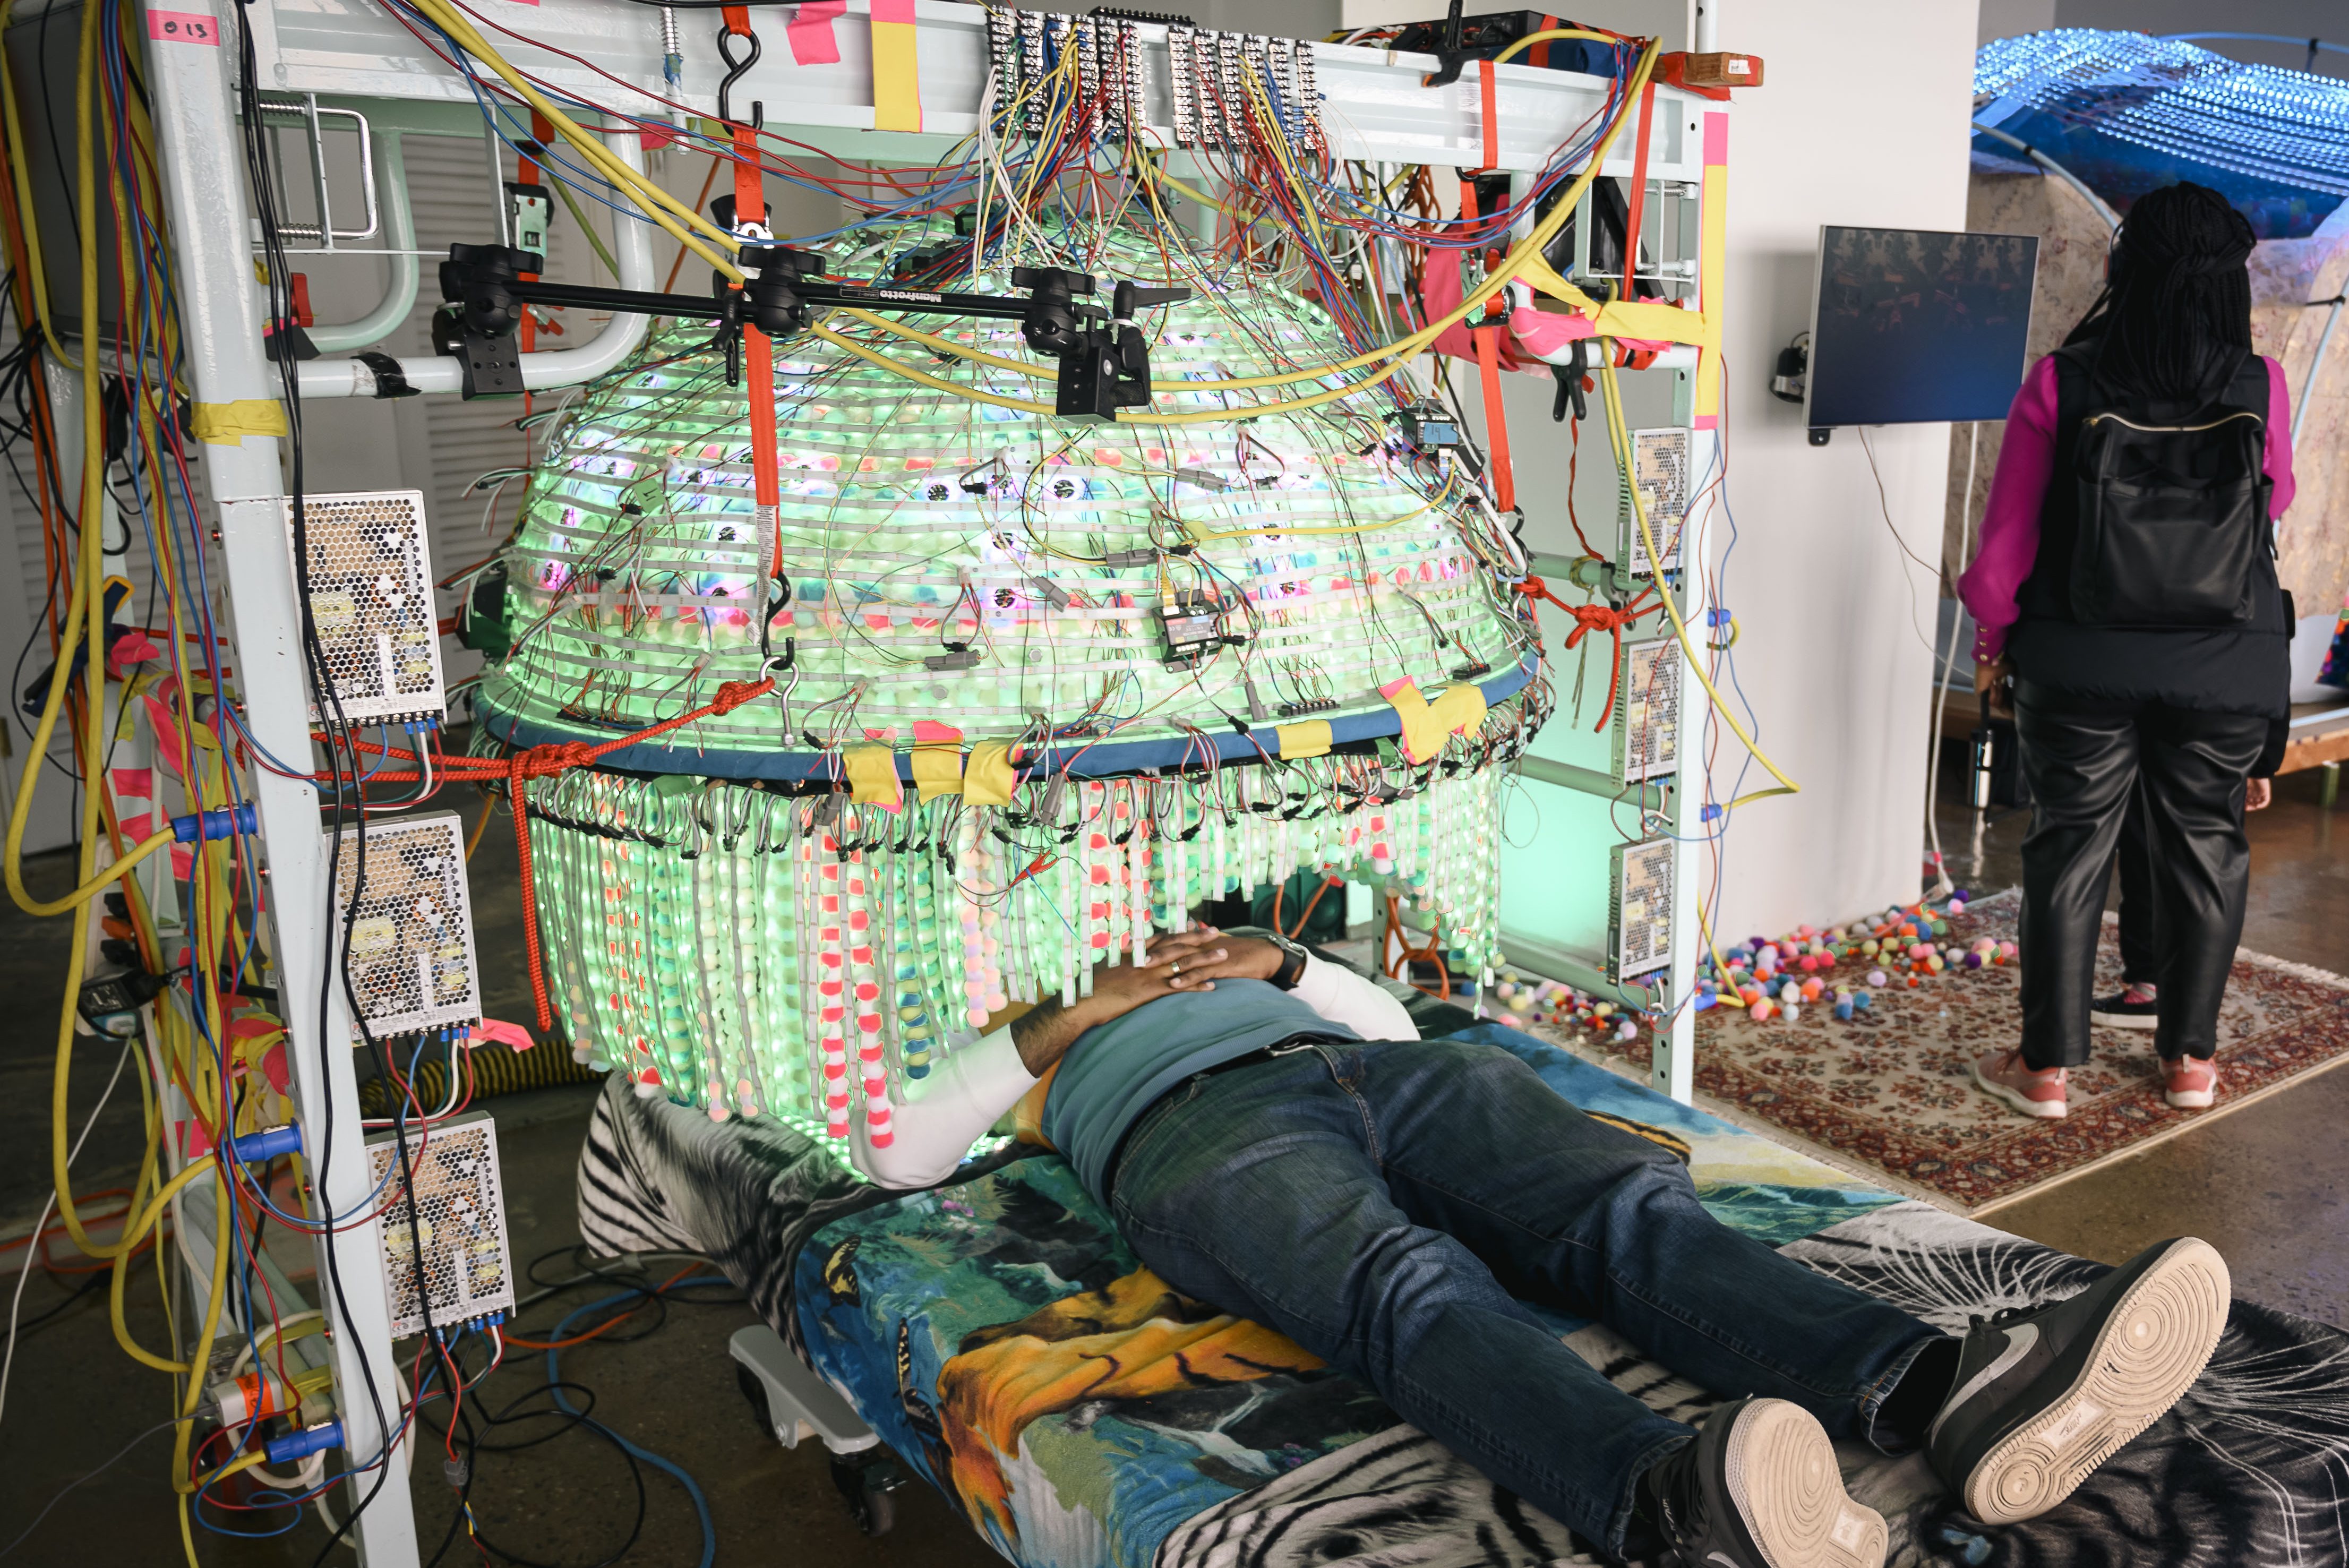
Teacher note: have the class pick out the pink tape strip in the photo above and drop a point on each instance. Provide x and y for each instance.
(1716, 140)
(183, 27)
(892, 11)
(811, 32)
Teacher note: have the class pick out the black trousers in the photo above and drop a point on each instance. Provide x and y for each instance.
(2086, 758)
(2140, 920)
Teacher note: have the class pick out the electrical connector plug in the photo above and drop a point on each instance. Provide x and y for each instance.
(296, 1446)
(110, 1004)
(260, 1148)
(223, 822)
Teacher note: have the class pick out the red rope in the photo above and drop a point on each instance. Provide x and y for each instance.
(559, 757)
(1588, 619)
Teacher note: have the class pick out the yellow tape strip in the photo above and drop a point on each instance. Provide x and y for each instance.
(937, 769)
(897, 74)
(873, 775)
(988, 779)
(1309, 739)
(225, 424)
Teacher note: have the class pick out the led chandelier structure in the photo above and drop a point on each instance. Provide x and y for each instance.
(1040, 687)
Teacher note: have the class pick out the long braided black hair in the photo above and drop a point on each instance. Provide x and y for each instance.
(2175, 317)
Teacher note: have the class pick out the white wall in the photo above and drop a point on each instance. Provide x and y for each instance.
(1831, 656)
(2005, 18)
(1835, 652)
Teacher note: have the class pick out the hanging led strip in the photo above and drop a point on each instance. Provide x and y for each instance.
(744, 918)
(2161, 103)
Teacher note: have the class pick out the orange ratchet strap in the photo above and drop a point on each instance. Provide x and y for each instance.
(1487, 335)
(1633, 217)
(757, 349)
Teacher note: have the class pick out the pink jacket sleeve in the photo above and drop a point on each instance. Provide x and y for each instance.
(2026, 462)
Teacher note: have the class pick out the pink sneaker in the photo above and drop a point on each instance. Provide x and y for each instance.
(2036, 1092)
(2192, 1082)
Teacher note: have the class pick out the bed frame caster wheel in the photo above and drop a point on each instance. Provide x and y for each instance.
(756, 1393)
(868, 1480)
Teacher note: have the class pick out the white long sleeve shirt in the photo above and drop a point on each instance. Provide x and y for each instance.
(938, 1117)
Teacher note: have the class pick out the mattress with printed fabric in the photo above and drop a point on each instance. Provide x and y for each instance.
(999, 1337)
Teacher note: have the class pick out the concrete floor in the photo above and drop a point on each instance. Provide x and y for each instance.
(2268, 1185)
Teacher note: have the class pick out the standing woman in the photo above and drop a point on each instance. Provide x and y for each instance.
(2126, 583)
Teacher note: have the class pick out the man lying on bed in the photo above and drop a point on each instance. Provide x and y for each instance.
(1275, 1138)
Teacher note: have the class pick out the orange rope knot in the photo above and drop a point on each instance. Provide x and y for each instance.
(561, 756)
(1588, 619)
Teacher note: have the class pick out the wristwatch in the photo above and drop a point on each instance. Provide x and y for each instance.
(1292, 963)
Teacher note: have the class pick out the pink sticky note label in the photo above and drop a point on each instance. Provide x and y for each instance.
(183, 27)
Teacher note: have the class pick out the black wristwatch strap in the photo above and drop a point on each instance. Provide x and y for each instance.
(1293, 966)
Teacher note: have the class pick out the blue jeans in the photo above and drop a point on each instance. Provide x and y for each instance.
(1386, 1204)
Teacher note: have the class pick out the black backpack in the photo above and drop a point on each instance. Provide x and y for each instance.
(2173, 512)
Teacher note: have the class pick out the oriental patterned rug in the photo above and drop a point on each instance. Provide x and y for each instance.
(1889, 1094)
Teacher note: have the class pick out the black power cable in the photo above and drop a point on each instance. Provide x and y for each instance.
(636, 1298)
(340, 747)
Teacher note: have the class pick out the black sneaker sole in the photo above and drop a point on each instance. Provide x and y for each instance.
(2148, 1351)
(1783, 1478)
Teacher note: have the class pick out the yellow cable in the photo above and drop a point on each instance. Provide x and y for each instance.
(132, 1234)
(49, 339)
(99, 884)
(87, 608)
(1402, 348)
(1202, 536)
(1254, 410)
(658, 204)
(1544, 37)
(911, 373)
(1619, 436)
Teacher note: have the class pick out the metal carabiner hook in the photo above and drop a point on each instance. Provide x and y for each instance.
(735, 70)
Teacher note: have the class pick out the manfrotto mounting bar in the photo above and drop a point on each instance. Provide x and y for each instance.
(1104, 359)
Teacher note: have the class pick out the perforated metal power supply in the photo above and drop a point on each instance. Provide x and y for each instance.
(411, 936)
(371, 601)
(1660, 466)
(461, 1225)
(1639, 908)
(1648, 711)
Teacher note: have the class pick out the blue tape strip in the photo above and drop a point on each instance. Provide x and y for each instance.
(1082, 759)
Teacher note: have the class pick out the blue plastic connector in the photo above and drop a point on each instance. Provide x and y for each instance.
(1718, 616)
(1709, 811)
(226, 822)
(296, 1446)
(258, 1148)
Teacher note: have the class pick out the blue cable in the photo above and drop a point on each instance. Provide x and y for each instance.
(554, 1382)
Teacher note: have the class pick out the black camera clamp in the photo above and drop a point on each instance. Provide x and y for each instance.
(1103, 358)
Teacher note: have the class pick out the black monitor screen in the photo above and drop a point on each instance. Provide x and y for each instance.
(1915, 326)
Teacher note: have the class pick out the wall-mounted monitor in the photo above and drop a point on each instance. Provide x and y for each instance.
(1917, 326)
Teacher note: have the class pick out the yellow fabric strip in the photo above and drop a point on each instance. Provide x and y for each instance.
(1455, 710)
(225, 424)
(1309, 739)
(873, 775)
(897, 77)
(1459, 709)
(988, 779)
(937, 769)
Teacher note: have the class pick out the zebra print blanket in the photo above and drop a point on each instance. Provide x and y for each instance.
(999, 1337)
